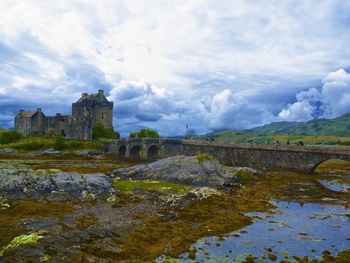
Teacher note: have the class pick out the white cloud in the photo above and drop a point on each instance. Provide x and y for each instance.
(332, 100)
(298, 111)
(228, 111)
(140, 104)
(231, 64)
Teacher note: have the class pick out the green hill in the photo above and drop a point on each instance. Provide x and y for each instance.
(322, 131)
(339, 126)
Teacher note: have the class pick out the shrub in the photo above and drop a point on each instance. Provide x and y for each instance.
(99, 131)
(50, 133)
(59, 144)
(7, 137)
(33, 145)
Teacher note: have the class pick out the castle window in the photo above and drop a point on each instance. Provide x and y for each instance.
(102, 116)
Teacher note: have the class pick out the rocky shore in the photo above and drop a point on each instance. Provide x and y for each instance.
(89, 207)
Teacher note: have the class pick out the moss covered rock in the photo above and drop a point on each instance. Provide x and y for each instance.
(188, 170)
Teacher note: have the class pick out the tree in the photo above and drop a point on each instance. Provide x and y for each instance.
(99, 131)
(144, 133)
(133, 134)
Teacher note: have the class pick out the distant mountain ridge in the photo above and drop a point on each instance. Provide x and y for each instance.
(339, 126)
(316, 132)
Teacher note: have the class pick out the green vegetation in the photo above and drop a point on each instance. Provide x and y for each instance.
(127, 186)
(99, 131)
(322, 131)
(29, 144)
(249, 136)
(144, 133)
(334, 167)
(59, 144)
(7, 136)
(339, 127)
(201, 157)
(25, 239)
(45, 258)
(246, 176)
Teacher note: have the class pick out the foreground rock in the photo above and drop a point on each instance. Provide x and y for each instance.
(22, 183)
(7, 151)
(189, 170)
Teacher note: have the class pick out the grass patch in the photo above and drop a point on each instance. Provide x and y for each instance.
(127, 186)
(29, 144)
(231, 136)
(201, 157)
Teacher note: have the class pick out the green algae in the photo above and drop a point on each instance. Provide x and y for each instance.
(48, 171)
(127, 186)
(4, 205)
(333, 167)
(111, 199)
(26, 209)
(25, 239)
(172, 260)
(245, 176)
(45, 258)
(86, 221)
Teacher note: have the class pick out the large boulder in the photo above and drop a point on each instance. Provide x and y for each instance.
(22, 183)
(189, 170)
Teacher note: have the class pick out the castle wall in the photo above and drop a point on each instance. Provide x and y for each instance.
(30, 126)
(23, 125)
(69, 127)
(104, 115)
(38, 124)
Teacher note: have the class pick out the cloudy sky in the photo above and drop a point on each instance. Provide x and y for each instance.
(215, 65)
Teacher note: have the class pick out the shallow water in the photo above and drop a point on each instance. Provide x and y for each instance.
(339, 185)
(291, 229)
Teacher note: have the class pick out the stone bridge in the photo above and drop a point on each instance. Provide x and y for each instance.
(299, 158)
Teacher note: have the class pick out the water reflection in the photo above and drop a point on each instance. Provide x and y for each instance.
(338, 185)
(291, 229)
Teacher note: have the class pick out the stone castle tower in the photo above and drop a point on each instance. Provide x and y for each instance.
(89, 110)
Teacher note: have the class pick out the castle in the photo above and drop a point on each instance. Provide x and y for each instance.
(89, 110)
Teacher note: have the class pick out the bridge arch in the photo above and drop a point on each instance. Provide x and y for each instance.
(331, 165)
(122, 150)
(153, 152)
(135, 152)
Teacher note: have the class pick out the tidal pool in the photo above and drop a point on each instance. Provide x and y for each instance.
(291, 229)
(339, 185)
